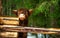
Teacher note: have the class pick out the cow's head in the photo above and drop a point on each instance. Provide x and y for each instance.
(22, 13)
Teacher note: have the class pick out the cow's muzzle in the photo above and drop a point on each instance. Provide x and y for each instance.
(22, 16)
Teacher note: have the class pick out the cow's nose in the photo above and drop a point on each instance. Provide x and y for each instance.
(21, 16)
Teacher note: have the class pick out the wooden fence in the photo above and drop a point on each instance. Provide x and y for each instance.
(10, 24)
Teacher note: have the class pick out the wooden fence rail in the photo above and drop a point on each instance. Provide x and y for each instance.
(13, 28)
(9, 20)
(10, 25)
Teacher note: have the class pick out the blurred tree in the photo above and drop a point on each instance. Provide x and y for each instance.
(46, 14)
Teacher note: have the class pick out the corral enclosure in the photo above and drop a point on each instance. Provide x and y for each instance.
(45, 14)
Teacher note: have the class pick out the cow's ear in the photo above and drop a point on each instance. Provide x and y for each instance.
(30, 11)
(15, 12)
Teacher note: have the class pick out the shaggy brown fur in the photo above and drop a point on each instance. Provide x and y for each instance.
(23, 22)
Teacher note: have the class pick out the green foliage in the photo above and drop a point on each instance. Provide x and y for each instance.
(45, 13)
(42, 8)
